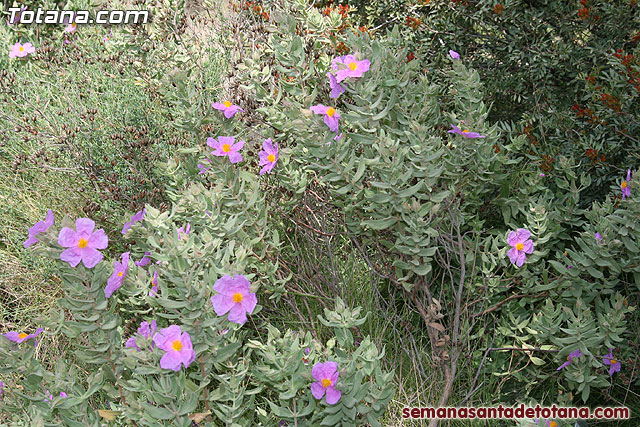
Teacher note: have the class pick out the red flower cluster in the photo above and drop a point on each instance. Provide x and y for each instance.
(585, 113)
(592, 154)
(498, 8)
(342, 48)
(627, 61)
(585, 12)
(410, 57)
(611, 102)
(253, 6)
(532, 139)
(547, 163)
(413, 22)
(343, 10)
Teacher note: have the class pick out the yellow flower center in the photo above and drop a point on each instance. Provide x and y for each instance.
(82, 243)
(120, 274)
(353, 66)
(326, 382)
(271, 158)
(21, 49)
(226, 148)
(465, 131)
(553, 424)
(73, 25)
(227, 104)
(22, 335)
(614, 361)
(624, 184)
(176, 345)
(519, 246)
(331, 111)
(237, 297)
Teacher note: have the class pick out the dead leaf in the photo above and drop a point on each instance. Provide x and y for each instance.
(199, 416)
(437, 326)
(108, 415)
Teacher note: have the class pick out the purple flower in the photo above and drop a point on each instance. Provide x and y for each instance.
(466, 133)
(542, 175)
(520, 245)
(154, 284)
(21, 50)
(184, 231)
(574, 355)
(82, 243)
(144, 260)
(138, 216)
(119, 273)
(1, 389)
(21, 337)
(177, 345)
(613, 363)
(336, 88)
(71, 28)
(16, 19)
(145, 331)
(626, 191)
(268, 156)
(227, 107)
(598, 237)
(569, 267)
(107, 37)
(454, 54)
(202, 168)
(62, 395)
(39, 227)
(326, 375)
(353, 68)
(226, 146)
(331, 116)
(233, 296)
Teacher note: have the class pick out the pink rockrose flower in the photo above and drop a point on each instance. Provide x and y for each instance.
(353, 68)
(268, 156)
(119, 273)
(226, 146)
(39, 227)
(336, 88)
(71, 28)
(178, 348)
(137, 217)
(145, 331)
(614, 364)
(234, 297)
(454, 55)
(82, 243)
(154, 284)
(520, 246)
(22, 337)
(573, 355)
(227, 108)
(466, 133)
(331, 116)
(626, 191)
(326, 375)
(21, 50)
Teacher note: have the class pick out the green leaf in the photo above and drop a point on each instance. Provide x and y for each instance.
(380, 224)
